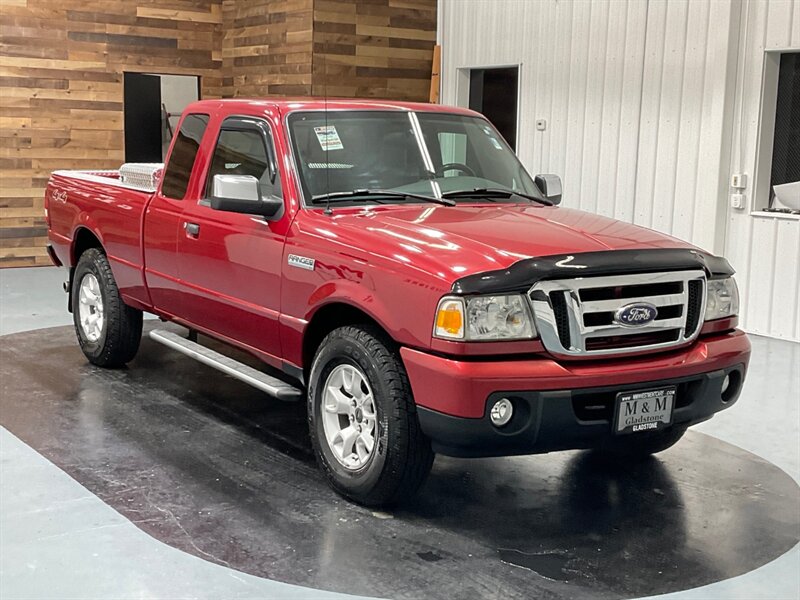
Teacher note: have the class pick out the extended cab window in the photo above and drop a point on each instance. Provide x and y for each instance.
(243, 151)
(181, 159)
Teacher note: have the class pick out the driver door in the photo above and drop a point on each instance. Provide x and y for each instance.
(163, 218)
(230, 263)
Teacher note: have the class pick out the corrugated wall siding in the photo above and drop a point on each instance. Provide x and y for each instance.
(764, 250)
(639, 102)
(628, 95)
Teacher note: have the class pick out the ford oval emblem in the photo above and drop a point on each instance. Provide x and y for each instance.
(636, 314)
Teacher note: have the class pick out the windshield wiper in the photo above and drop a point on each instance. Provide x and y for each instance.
(496, 193)
(348, 196)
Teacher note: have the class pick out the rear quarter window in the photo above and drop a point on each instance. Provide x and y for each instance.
(181, 159)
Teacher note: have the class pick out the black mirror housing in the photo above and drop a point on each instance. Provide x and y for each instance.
(268, 208)
(550, 186)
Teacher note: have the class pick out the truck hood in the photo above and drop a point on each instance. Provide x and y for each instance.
(451, 242)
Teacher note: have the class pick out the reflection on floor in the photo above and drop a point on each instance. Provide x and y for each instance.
(233, 482)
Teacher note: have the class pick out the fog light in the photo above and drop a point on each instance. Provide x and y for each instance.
(725, 383)
(731, 385)
(501, 412)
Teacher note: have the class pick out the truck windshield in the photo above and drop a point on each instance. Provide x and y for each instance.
(418, 153)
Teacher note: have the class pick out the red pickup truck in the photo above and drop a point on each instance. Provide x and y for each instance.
(396, 267)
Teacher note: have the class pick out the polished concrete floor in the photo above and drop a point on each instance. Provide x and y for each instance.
(143, 482)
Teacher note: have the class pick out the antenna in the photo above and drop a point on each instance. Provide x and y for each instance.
(328, 210)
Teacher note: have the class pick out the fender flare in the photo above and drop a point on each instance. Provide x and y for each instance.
(354, 295)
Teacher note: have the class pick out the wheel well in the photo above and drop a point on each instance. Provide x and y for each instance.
(84, 239)
(325, 320)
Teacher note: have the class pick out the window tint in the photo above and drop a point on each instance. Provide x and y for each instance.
(243, 152)
(343, 151)
(453, 147)
(475, 144)
(181, 160)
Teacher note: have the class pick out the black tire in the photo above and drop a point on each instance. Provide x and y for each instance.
(121, 331)
(403, 457)
(633, 447)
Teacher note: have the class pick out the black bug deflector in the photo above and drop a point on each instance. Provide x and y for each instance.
(520, 276)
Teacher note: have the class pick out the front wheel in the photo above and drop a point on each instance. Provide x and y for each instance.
(362, 418)
(109, 331)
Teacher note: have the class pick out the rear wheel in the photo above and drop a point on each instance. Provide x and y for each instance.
(108, 330)
(640, 447)
(362, 418)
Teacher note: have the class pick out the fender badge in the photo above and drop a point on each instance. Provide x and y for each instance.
(301, 262)
(563, 263)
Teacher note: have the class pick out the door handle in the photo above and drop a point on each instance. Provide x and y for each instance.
(192, 229)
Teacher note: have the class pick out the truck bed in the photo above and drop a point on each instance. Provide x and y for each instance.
(111, 204)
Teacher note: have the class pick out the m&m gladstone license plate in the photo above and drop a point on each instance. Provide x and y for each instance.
(648, 410)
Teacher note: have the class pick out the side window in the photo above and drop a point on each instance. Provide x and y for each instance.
(181, 160)
(454, 149)
(244, 152)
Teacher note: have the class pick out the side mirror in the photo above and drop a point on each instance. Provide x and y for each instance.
(550, 186)
(242, 194)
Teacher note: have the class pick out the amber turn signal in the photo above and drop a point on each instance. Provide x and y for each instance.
(450, 319)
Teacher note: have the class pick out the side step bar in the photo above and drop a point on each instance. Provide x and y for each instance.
(266, 383)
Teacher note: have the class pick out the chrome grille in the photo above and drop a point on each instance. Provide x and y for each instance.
(576, 317)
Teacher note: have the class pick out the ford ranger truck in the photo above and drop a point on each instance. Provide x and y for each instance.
(395, 266)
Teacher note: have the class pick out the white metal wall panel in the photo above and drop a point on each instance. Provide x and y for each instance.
(679, 190)
(764, 250)
(630, 101)
(581, 69)
(624, 86)
(644, 102)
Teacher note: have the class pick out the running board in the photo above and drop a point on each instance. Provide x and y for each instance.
(266, 383)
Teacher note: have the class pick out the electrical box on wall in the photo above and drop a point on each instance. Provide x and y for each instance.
(737, 200)
(541, 124)
(739, 181)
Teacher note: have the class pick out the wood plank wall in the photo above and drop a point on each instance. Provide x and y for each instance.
(62, 64)
(374, 48)
(266, 47)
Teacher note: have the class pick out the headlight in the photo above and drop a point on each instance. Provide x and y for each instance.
(722, 299)
(484, 318)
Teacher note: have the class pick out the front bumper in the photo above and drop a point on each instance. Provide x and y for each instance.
(550, 398)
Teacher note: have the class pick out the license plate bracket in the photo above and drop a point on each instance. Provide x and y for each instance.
(640, 411)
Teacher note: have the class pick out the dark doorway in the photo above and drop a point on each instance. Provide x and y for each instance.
(493, 92)
(153, 107)
(786, 144)
(142, 118)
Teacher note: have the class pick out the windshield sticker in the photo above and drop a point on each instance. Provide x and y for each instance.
(328, 138)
